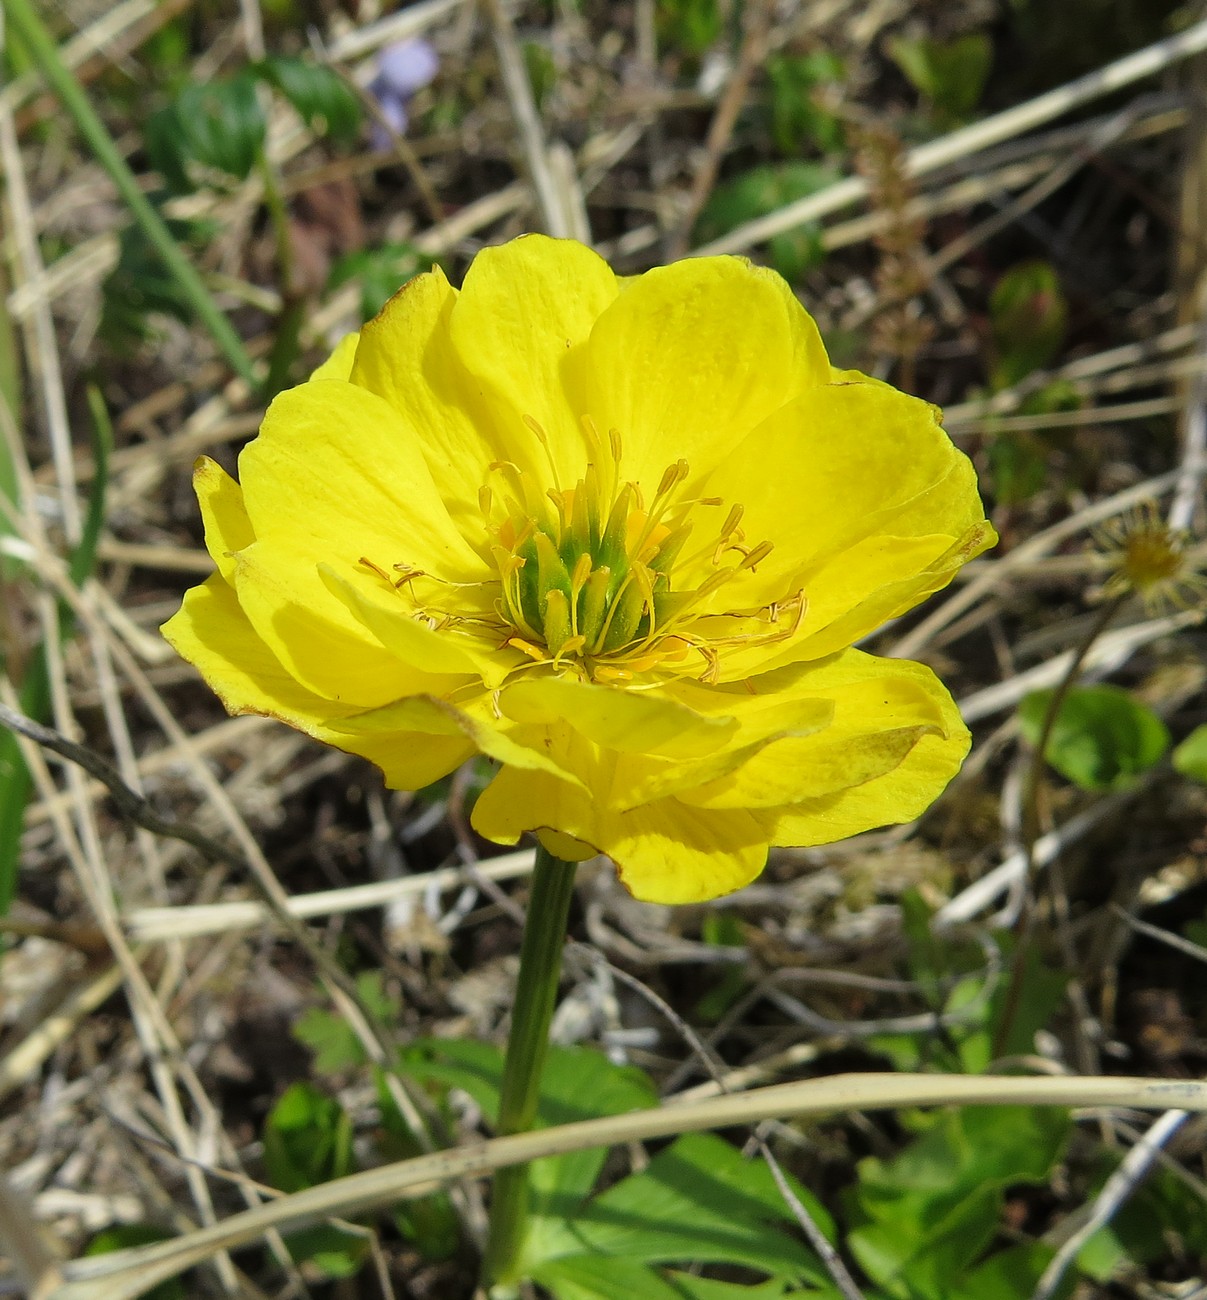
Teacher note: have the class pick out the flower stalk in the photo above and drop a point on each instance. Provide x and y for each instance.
(527, 1044)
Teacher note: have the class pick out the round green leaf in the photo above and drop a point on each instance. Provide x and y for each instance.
(1102, 738)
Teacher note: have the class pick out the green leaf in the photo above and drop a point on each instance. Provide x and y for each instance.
(140, 286)
(123, 1236)
(541, 69)
(1029, 315)
(691, 25)
(951, 74)
(929, 1213)
(698, 1200)
(723, 930)
(307, 1141)
(381, 271)
(1041, 991)
(600, 1277)
(320, 95)
(1009, 1274)
(762, 190)
(219, 124)
(1102, 738)
(578, 1083)
(690, 1287)
(1190, 757)
(797, 119)
(332, 1039)
(429, 1221)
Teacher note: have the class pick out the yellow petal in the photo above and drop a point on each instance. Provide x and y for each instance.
(339, 364)
(665, 852)
(877, 580)
(406, 356)
(844, 464)
(615, 718)
(214, 635)
(692, 357)
(313, 634)
(337, 474)
(212, 632)
(227, 527)
(882, 708)
(472, 716)
(565, 847)
(642, 778)
(525, 308)
(898, 796)
(382, 611)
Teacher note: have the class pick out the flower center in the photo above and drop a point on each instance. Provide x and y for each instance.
(596, 574)
(595, 579)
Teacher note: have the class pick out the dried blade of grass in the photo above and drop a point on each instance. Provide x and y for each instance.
(549, 197)
(155, 1035)
(1111, 651)
(915, 641)
(972, 139)
(35, 1258)
(1115, 1191)
(400, 26)
(756, 19)
(32, 33)
(26, 1058)
(80, 47)
(124, 1275)
(1084, 368)
(42, 349)
(151, 924)
(1118, 414)
(34, 690)
(338, 985)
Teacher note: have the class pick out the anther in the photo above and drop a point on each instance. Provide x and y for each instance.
(376, 568)
(536, 428)
(756, 555)
(672, 475)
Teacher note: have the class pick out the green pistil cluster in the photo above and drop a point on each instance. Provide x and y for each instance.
(588, 587)
(595, 577)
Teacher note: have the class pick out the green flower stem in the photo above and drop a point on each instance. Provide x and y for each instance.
(32, 33)
(535, 995)
(1032, 782)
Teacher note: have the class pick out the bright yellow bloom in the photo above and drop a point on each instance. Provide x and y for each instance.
(618, 535)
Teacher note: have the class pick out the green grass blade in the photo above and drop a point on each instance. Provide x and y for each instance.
(31, 32)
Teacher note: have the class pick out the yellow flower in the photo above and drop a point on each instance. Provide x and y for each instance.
(618, 535)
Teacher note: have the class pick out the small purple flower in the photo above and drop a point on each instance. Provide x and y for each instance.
(402, 69)
(407, 67)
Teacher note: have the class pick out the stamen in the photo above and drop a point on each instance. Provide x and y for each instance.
(756, 555)
(377, 569)
(543, 438)
(672, 475)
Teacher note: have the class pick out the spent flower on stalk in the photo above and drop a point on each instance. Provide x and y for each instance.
(617, 535)
(1149, 558)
